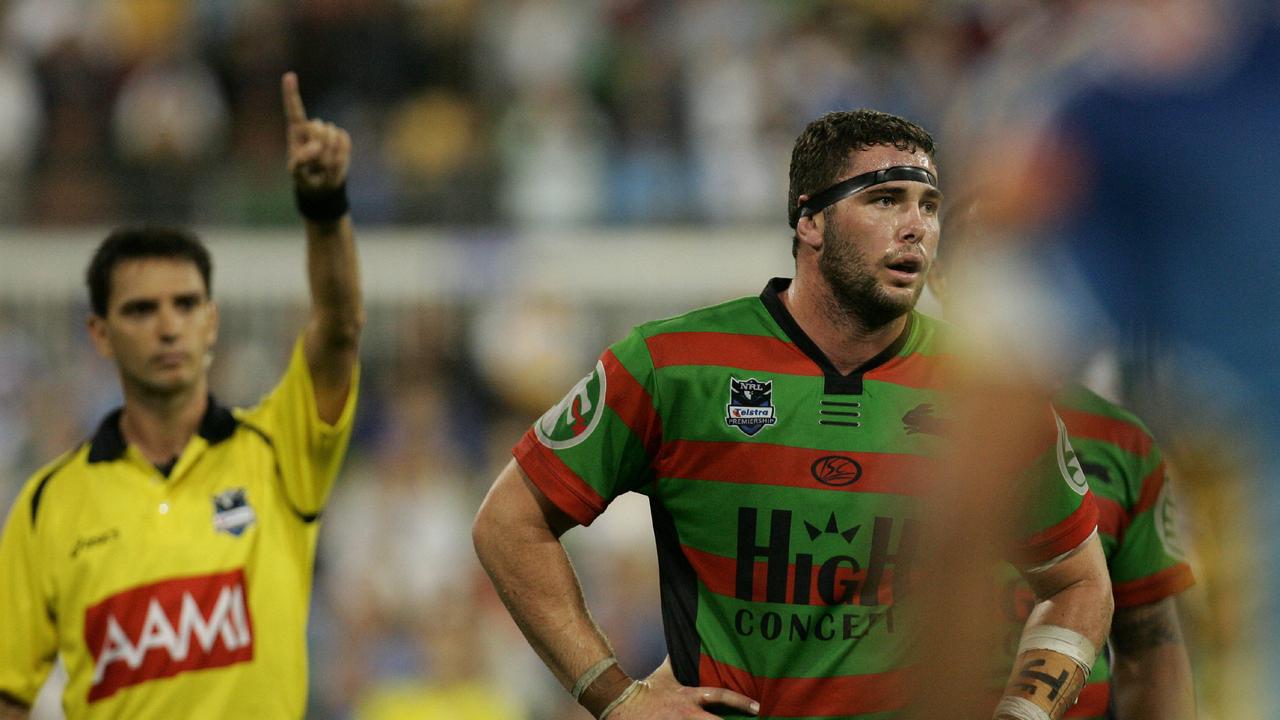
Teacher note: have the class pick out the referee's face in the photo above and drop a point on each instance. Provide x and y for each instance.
(159, 327)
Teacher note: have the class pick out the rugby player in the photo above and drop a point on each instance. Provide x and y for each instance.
(783, 441)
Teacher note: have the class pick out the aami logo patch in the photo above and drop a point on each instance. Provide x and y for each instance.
(166, 628)
(571, 420)
(750, 407)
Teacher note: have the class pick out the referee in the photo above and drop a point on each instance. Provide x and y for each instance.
(168, 559)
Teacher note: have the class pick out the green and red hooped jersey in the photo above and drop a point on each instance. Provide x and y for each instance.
(782, 496)
(1136, 523)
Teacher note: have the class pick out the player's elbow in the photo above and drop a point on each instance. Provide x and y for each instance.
(487, 532)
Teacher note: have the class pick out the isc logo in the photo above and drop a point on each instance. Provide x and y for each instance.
(165, 628)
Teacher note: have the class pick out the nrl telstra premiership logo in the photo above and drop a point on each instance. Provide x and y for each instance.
(750, 407)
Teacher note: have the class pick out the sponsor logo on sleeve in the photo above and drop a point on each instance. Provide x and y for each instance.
(1068, 462)
(574, 418)
(162, 629)
(1166, 521)
(232, 513)
(750, 407)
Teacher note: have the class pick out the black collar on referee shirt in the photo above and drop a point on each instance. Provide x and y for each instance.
(835, 383)
(108, 442)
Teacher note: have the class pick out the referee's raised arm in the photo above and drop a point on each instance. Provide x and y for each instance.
(319, 154)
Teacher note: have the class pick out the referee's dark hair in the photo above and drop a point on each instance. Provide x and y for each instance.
(823, 150)
(139, 242)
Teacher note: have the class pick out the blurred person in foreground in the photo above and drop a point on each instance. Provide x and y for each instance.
(1147, 673)
(784, 441)
(168, 559)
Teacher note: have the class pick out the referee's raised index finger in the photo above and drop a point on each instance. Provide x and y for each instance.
(294, 112)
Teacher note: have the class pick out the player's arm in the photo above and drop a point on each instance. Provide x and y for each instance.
(1062, 636)
(319, 155)
(517, 538)
(11, 709)
(1151, 669)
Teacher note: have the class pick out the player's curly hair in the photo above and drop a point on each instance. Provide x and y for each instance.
(139, 242)
(822, 151)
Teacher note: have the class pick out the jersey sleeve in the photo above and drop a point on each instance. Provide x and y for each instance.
(29, 641)
(310, 451)
(600, 440)
(1148, 563)
(1058, 511)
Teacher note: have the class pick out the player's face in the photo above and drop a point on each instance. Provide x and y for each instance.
(159, 326)
(878, 244)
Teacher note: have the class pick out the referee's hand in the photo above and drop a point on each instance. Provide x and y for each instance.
(319, 151)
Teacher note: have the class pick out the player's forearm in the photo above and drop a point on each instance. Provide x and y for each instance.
(536, 582)
(1151, 670)
(1062, 636)
(529, 568)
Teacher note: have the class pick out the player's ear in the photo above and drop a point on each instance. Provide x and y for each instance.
(808, 231)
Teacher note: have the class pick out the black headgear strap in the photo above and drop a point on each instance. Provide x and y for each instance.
(858, 183)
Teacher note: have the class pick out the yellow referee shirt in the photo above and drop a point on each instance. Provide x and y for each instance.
(174, 597)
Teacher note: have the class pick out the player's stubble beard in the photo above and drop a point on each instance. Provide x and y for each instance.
(851, 277)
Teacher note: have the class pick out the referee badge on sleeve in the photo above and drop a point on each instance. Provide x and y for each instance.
(232, 513)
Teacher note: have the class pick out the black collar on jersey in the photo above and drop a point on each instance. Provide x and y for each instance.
(108, 442)
(836, 384)
(843, 189)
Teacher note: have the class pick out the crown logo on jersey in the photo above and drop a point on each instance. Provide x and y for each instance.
(750, 407)
(232, 513)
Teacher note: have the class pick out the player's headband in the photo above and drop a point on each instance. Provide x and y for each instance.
(858, 183)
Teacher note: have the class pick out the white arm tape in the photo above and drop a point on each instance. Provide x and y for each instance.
(1060, 640)
(1021, 709)
(592, 674)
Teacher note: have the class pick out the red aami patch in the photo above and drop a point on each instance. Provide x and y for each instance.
(168, 627)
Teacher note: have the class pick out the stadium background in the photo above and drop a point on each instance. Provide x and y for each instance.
(530, 178)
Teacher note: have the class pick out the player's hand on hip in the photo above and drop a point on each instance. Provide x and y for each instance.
(319, 152)
(661, 697)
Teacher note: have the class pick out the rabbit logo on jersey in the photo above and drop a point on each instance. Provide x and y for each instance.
(573, 419)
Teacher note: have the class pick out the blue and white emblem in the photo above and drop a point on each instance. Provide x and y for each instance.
(750, 406)
(232, 513)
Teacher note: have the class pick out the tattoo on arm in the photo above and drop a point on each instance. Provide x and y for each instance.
(1146, 626)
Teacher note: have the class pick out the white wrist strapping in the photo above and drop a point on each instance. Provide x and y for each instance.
(1020, 709)
(1060, 640)
(591, 675)
(631, 690)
